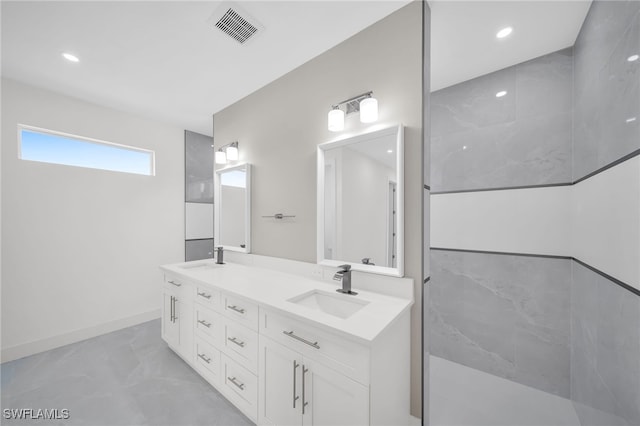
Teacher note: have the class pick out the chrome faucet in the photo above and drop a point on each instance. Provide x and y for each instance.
(344, 274)
(219, 255)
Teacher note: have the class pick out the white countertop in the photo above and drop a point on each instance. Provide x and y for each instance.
(271, 289)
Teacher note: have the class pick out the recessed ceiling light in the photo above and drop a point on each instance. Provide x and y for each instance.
(504, 32)
(390, 151)
(501, 93)
(464, 147)
(71, 58)
(633, 58)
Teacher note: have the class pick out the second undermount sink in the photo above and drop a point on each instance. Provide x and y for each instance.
(338, 305)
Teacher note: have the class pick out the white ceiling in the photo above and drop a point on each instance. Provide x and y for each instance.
(164, 60)
(463, 35)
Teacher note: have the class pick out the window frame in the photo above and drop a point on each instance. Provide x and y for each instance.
(34, 129)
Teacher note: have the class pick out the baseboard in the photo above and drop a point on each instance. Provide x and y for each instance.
(31, 348)
(414, 421)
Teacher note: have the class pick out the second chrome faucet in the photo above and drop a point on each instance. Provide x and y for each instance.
(344, 275)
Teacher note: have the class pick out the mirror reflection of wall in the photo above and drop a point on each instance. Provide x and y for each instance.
(233, 208)
(360, 181)
(198, 196)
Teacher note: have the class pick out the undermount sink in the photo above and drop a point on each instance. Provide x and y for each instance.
(201, 265)
(333, 304)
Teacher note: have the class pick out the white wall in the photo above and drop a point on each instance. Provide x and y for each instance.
(365, 208)
(82, 246)
(279, 127)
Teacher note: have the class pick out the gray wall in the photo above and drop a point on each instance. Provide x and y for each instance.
(479, 141)
(279, 127)
(605, 318)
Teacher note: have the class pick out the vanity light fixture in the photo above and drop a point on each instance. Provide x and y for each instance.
(365, 104)
(501, 93)
(336, 119)
(69, 57)
(504, 32)
(226, 153)
(232, 151)
(221, 157)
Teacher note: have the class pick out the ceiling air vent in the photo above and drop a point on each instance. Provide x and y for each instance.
(236, 26)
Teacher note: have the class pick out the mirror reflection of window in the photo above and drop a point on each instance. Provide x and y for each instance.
(232, 208)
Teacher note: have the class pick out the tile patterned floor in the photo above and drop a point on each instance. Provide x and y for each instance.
(128, 377)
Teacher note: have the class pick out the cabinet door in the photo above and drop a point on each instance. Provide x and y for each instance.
(280, 401)
(332, 398)
(170, 325)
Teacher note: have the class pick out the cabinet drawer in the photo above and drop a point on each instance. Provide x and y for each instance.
(209, 325)
(174, 285)
(240, 310)
(240, 386)
(207, 360)
(340, 354)
(208, 297)
(241, 344)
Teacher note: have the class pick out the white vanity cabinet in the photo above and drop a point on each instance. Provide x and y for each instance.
(280, 367)
(176, 325)
(298, 390)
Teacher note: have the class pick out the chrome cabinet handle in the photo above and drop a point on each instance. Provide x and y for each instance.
(295, 397)
(204, 358)
(301, 339)
(304, 403)
(205, 295)
(235, 308)
(175, 317)
(174, 283)
(235, 382)
(236, 341)
(171, 309)
(206, 324)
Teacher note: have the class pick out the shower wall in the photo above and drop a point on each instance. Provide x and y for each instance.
(605, 316)
(535, 221)
(505, 314)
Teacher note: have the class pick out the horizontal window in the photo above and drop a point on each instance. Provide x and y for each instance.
(59, 148)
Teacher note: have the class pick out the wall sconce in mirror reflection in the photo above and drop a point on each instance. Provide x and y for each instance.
(365, 104)
(226, 153)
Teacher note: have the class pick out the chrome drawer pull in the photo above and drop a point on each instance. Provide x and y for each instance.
(205, 295)
(295, 397)
(238, 384)
(304, 401)
(301, 339)
(235, 308)
(204, 358)
(237, 342)
(174, 283)
(206, 324)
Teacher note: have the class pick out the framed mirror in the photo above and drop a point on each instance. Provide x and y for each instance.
(232, 218)
(361, 202)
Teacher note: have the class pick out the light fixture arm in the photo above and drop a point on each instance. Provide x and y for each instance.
(355, 98)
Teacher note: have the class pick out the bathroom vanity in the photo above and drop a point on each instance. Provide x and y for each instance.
(287, 349)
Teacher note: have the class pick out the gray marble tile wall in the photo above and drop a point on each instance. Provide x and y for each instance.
(606, 86)
(198, 177)
(605, 348)
(523, 138)
(198, 249)
(507, 315)
(198, 168)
